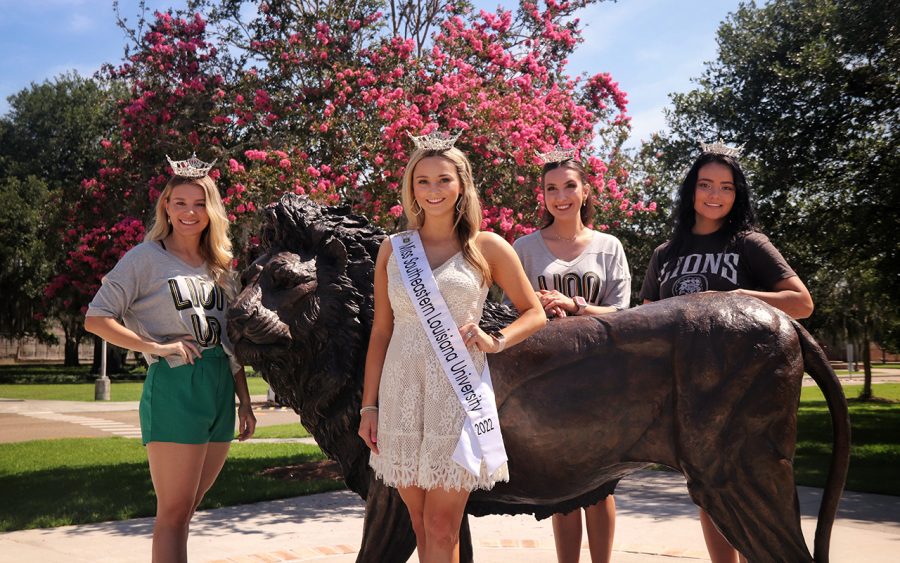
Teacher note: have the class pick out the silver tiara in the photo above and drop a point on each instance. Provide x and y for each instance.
(190, 168)
(435, 141)
(555, 155)
(721, 148)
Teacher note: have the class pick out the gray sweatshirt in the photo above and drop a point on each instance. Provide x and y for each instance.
(600, 274)
(159, 297)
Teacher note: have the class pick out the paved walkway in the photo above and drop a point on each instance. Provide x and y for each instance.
(656, 523)
(22, 420)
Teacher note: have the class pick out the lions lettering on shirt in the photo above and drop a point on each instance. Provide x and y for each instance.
(571, 284)
(689, 271)
(192, 297)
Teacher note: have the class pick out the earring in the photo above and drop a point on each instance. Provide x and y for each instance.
(458, 201)
(417, 209)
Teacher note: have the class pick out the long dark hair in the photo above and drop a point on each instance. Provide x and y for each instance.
(741, 218)
(587, 210)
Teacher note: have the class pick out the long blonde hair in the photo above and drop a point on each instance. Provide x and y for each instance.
(215, 246)
(468, 217)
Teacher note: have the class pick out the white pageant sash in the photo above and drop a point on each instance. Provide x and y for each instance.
(480, 438)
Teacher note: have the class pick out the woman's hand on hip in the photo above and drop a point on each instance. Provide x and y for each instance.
(472, 335)
(368, 429)
(246, 422)
(185, 348)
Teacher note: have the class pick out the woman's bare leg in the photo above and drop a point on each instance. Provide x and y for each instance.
(216, 454)
(443, 517)
(600, 521)
(567, 536)
(414, 499)
(176, 471)
(720, 551)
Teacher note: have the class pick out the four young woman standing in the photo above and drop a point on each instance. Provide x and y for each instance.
(167, 297)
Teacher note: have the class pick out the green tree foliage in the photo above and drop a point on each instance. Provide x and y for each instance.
(812, 89)
(51, 132)
(23, 268)
(656, 170)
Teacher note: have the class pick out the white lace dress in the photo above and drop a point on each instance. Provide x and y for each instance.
(420, 418)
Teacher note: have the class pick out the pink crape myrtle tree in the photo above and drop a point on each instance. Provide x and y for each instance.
(319, 99)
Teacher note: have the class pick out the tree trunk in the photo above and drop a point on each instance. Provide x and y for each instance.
(73, 333)
(115, 357)
(867, 366)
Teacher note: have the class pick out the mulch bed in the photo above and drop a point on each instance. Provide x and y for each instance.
(309, 471)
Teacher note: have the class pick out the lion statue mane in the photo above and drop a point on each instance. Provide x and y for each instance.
(705, 384)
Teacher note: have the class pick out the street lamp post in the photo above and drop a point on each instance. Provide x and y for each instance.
(101, 386)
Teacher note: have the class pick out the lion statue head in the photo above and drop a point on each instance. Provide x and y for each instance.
(303, 319)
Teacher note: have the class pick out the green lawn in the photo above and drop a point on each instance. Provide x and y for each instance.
(118, 390)
(858, 372)
(47, 483)
(45, 373)
(875, 437)
(281, 431)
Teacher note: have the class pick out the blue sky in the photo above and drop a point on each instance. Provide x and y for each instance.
(651, 47)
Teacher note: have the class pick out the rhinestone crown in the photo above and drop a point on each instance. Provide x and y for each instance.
(555, 155)
(721, 148)
(434, 141)
(190, 168)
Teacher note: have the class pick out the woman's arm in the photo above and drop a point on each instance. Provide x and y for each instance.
(553, 298)
(246, 418)
(598, 310)
(382, 329)
(115, 333)
(790, 295)
(507, 272)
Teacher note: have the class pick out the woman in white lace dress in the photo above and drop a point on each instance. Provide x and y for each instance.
(411, 417)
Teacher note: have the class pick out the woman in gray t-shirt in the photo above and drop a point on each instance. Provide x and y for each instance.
(576, 270)
(715, 247)
(167, 298)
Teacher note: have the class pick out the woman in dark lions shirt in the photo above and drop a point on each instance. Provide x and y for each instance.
(716, 246)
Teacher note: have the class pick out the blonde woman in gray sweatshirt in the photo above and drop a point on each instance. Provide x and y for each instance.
(167, 299)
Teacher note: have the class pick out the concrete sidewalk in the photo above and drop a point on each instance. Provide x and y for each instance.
(656, 522)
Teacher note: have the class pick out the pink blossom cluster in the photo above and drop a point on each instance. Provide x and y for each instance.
(323, 108)
(93, 252)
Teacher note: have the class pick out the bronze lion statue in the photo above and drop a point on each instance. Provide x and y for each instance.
(706, 384)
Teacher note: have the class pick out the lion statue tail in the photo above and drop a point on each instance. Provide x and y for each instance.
(816, 364)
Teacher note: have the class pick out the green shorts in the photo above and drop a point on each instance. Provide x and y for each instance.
(189, 404)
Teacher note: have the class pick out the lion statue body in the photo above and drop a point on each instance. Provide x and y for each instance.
(706, 384)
